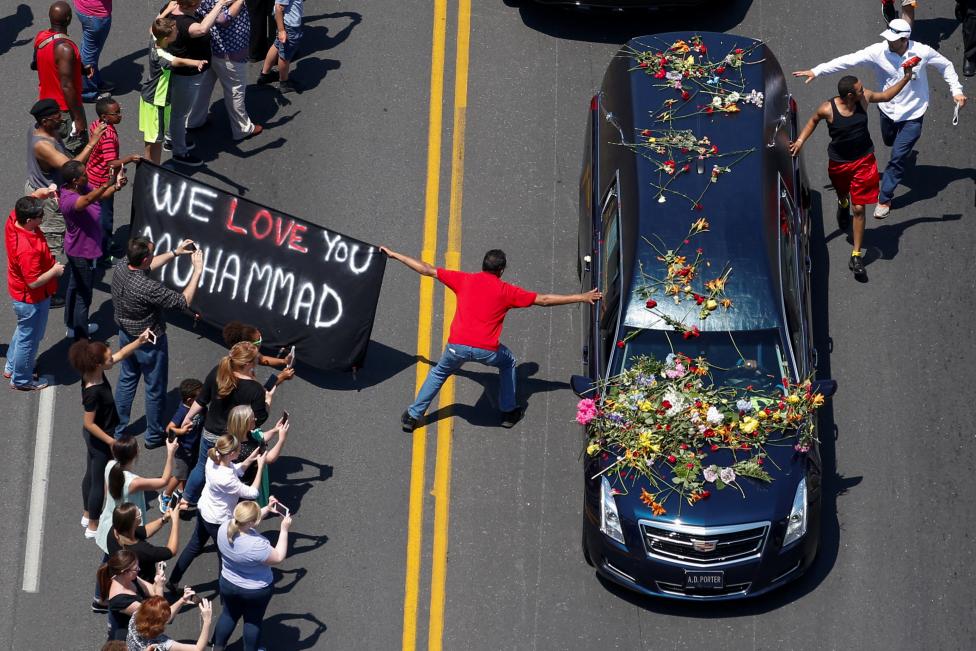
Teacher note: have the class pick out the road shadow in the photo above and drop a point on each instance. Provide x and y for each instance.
(619, 27)
(125, 73)
(12, 25)
(833, 484)
(933, 31)
(290, 481)
(288, 631)
(309, 72)
(928, 181)
(485, 412)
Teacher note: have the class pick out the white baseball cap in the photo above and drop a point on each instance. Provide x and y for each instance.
(897, 29)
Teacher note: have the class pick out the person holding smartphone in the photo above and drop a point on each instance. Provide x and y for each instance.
(221, 493)
(246, 580)
(128, 532)
(241, 425)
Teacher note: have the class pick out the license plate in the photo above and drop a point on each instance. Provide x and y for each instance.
(705, 580)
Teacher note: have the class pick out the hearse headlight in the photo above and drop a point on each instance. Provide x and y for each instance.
(609, 519)
(796, 526)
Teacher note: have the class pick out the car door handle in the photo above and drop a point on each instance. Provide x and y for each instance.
(808, 263)
(586, 354)
(815, 357)
(586, 262)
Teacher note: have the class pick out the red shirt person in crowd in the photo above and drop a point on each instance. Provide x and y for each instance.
(483, 300)
(59, 70)
(32, 278)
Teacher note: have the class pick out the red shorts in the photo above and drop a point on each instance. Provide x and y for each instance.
(858, 178)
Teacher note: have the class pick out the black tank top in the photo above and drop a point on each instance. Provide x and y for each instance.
(849, 136)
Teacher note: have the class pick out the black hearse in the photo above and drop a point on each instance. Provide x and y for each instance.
(759, 224)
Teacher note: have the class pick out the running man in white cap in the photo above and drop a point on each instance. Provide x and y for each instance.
(901, 118)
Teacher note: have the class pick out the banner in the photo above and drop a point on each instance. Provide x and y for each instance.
(298, 283)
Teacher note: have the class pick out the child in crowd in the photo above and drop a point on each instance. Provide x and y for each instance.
(189, 436)
(103, 158)
(288, 18)
(154, 99)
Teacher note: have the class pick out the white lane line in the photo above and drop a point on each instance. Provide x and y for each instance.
(38, 496)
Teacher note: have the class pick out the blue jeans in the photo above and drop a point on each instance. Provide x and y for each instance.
(31, 323)
(94, 32)
(901, 137)
(194, 483)
(454, 357)
(247, 603)
(202, 532)
(78, 298)
(108, 224)
(152, 363)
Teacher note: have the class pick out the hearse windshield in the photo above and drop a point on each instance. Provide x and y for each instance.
(736, 359)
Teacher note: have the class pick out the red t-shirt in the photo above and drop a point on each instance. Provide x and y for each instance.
(48, 80)
(106, 150)
(482, 302)
(28, 256)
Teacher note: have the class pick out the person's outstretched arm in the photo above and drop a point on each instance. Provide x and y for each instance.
(419, 266)
(836, 65)
(948, 72)
(548, 300)
(823, 111)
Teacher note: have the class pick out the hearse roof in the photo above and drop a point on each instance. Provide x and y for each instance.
(740, 207)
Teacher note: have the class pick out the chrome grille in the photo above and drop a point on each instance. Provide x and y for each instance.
(703, 546)
(678, 589)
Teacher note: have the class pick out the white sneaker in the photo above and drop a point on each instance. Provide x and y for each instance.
(881, 210)
(90, 534)
(84, 522)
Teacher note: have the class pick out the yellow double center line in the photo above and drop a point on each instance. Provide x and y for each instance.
(452, 259)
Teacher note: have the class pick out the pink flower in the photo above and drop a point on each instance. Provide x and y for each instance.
(586, 411)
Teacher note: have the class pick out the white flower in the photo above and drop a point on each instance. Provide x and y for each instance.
(710, 473)
(677, 401)
(743, 405)
(694, 417)
(673, 75)
(717, 101)
(714, 416)
(732, 98)
(727, 475)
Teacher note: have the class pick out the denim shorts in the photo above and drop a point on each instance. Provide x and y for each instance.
(289, 48)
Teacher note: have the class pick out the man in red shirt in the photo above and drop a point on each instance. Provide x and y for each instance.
(482, 302)
(32, 279)
(58, 64)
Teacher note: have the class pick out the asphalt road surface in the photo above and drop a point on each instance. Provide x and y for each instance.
(466, 535)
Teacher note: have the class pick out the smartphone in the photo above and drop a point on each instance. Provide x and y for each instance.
(171, 436)
(280, 509)
(263, 447)
(271, 382)
(193, 599)
(191, 247)
(151, 337)
(161, 568)
(291, 355)
(284, 416)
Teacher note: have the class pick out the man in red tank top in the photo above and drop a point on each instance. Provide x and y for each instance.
(59, 71)
(483, 300)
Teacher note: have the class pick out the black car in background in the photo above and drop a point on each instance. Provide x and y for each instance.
(759, 224)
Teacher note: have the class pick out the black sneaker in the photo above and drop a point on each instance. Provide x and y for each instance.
(168, 144)
(509, 418)
(266, 78)
(187, 159)
(98, 607)
(888, 11)
(56, 302)
(288, 86)
(857, 265)
(152, 445)
(844, 214)
(408, 422)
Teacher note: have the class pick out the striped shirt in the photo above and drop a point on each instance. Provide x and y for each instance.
(139, 301)
(155, 87)
(105, 151)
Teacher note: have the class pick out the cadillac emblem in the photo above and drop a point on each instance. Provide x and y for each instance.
(704, 546)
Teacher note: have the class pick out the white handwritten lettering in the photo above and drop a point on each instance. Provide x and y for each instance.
(195, 202)
(167, 201)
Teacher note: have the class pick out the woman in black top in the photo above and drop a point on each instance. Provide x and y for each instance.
(852, 168)
(129, 533)
(229, 384)
(91, 359)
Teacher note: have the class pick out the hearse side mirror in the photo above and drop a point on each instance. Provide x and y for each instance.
(583, 386)
(825, 387)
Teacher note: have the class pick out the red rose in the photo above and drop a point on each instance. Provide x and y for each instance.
(651, 304)
(781, 405)
(672, 458)
(683, 446)
(665, 404)
(685, 95)
(759, 461)
(714, 448)
(642, 64)
(698, 403)
(714, 149)
(744, 446)
(699, 299)
(699, 251)
(646, 132)
(719, 70)
(684, 168)
(660, 74)
(698, 206)
(709, 433)
(709, 110)
(705, 494)
(739, 50)
(684, 150)
(689, 465)
(620, 344)
(691, 334)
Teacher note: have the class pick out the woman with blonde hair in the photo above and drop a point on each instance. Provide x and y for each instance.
(242, 425)
(246, 578)
(221, 493)
(229, 384)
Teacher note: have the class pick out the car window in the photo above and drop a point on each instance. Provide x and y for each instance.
(610, 281)
(789, 266)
